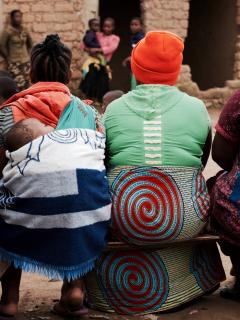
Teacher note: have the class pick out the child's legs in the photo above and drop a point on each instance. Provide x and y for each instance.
(10, 291)
(72, 294)
(233, 252)
(71, 301)
(235, 259)
(232, 292)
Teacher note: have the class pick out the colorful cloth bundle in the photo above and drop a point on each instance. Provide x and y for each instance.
(55, 204)
(139, 282)
(156, 204)
(153, 205)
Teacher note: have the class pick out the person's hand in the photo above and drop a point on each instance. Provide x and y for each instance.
(95, 50)
(86, 49)
(126, 61)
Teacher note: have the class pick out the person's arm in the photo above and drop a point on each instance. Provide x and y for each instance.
(226, 141)
(4, 44)
(29, 42)
(224, 152)
(126, 61)
(95, 50)
(107, 157)
(112, 46)
(207, 148)
(90, 50)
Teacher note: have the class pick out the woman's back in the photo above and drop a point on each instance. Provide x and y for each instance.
(155, 144)
(156, 125)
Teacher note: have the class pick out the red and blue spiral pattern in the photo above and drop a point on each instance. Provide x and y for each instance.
(147, 206)
(133, 282)
(206, 266)
(200, 196)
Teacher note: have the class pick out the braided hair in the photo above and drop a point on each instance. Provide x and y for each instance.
(51, 61)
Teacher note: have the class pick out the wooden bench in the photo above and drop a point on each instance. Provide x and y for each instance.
(121, 246)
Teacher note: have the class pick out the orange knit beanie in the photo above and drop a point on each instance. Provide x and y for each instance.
(157, 58)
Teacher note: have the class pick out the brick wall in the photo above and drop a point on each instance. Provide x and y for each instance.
(65, 17)
(69, 19)
(164, 14)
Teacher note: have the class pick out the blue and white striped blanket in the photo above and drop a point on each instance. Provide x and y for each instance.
(55, 204)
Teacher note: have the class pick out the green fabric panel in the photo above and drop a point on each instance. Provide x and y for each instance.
(77, 115)
(133, 82)
(185, 129)
(156, 123)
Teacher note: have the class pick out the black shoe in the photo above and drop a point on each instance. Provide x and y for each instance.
(208, 293)
(231, 293)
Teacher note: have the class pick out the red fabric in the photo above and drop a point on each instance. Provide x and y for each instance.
(229, 122)
(157, 58)
(44, 101)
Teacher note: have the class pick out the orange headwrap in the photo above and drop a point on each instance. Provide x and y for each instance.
(157, 58)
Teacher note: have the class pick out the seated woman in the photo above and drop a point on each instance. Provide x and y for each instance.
(54, 216)
(158, 141)
(226, 191)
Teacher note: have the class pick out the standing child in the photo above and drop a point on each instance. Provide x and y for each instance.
(136, 27)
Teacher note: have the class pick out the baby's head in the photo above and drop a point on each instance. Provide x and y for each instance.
(94, 24)
(24, 132)
(109, 97)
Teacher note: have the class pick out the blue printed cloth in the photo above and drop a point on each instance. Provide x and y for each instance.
(55, 205)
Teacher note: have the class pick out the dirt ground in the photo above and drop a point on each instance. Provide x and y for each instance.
(38, 294)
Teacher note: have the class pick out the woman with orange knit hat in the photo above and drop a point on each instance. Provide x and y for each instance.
(158, 141)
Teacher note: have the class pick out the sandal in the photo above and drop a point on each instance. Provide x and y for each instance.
(231, 293)
(4, 316)
(61, 311)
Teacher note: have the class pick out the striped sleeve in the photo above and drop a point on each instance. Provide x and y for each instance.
(6, 123)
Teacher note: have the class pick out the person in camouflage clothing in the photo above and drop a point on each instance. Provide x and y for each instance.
(15, 45)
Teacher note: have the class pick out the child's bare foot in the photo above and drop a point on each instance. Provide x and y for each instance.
(8, 310)
(71, 302)
(72, 294)
(10, 292)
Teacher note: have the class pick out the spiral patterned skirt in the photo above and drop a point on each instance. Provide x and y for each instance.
(139, 282)
(156, 204)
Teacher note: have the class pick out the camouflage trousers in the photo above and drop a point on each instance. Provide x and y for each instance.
(20, 73)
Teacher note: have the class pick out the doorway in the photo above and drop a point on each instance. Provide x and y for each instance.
(210, 45)
(122, 12)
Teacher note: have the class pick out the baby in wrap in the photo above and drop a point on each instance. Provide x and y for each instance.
(54, 203)
(24, 132)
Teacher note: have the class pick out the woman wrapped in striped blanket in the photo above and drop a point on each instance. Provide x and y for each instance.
(55, 200)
